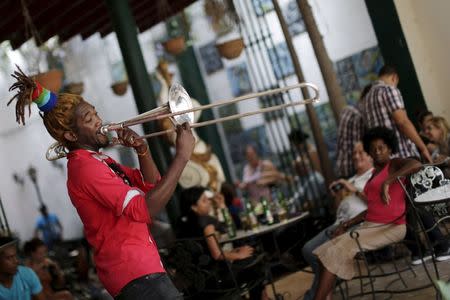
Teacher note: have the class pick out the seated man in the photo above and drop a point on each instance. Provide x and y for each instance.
(16, 282)
(48, 271)
(348, 206)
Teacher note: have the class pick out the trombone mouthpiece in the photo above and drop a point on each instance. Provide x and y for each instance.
(104, 130)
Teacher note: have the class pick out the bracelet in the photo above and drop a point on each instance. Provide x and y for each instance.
(144, 153)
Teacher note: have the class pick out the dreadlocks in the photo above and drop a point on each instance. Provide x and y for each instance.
(58, 119)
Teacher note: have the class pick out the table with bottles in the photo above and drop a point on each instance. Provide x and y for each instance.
(262, 229)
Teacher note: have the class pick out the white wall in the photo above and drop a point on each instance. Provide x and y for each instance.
(426, 27)
(346, 29)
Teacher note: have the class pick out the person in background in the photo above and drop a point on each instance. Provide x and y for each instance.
(258, 175)
(348, 206)
(48, 271)
(350, 131)
(383, 106)
(438, 131)
(48, 228)
(16, 282)
(196, 221)
(306, 150)
(422, 118)
(233, 203)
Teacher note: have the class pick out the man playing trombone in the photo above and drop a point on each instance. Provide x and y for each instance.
(114, 202)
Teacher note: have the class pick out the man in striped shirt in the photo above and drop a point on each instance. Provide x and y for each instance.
(383, 106)
(350, 131)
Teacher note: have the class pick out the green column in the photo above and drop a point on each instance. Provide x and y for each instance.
(394, 49)
(195, 86)
(126, 31)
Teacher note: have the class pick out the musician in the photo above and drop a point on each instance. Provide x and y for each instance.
(114, 202)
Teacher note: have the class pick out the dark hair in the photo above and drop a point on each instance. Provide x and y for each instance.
(421, 115)
(228, 192)
(32, 245)
(365, 91)
(43, 209)
(190, 197)
(383, 133)
(387, 70)
(4, 240)
(297, 136)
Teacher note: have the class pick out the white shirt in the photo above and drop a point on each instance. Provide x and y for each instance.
(352, 205)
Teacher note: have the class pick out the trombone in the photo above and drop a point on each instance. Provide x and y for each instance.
(179, 109)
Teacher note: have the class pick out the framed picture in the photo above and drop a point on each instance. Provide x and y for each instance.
(239, 80)
(281, 61)
(161, 53)
(358, 70)
(262, 7)
(367, 65)
(212, 62)
(294, 19)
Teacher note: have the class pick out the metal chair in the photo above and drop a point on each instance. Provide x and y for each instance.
(428, 192)
(198, 276)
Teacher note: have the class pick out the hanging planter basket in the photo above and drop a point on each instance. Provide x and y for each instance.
(175, 45)
(231, 49)
(120, 88)
(76, 88)
(51, 80)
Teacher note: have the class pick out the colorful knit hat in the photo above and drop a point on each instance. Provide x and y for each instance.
(29, 91)
(44, 98)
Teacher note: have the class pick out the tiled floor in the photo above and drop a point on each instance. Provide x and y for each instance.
(293, 286)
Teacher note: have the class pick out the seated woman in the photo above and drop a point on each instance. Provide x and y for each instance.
(197, 222)
(348, 205)
(48, 271)
(383, 222)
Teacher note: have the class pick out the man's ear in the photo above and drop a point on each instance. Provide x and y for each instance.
(70, 136)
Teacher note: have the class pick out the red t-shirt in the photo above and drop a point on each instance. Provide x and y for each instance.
(115, 218)
(377, 211)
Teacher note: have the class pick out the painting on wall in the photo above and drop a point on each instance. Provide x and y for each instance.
(161, 53)
(294, 19)
(262, 7)
(356, 71)
(211, 59)
(281, 61)
(367, 64)
(239, 80)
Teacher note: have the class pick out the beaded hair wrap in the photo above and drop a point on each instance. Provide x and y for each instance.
(29, 91)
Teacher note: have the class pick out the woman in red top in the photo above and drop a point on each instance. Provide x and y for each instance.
(383, 222)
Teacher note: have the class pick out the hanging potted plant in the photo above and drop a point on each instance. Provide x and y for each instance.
(175, 45)
(177, 27)
(120, 88)
(53, 78)
(231, 49)
(76, 88)
(120, 80)
(224, 20)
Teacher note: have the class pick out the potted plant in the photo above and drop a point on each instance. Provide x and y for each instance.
(231, 49)
(177, 28)
(76, 88)
(120, 88)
